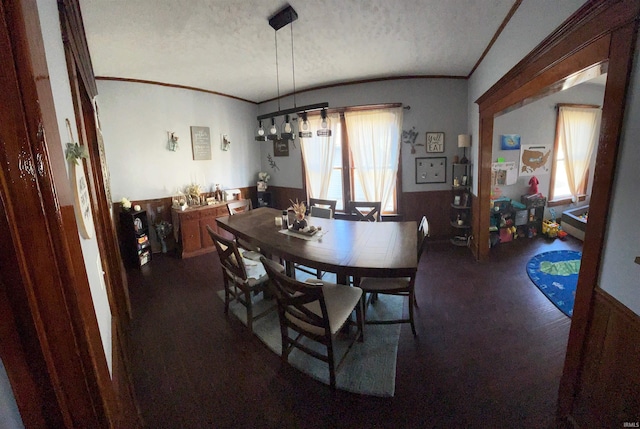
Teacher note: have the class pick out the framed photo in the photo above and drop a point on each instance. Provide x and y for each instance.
(431, 170)
(435, 142)
(281, 147)
(510, 142)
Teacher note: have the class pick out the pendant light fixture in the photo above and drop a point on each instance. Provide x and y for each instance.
(304, 129)
(260, 133)
(325, 125)
(285, 17)
(287, 129)
(273, 130)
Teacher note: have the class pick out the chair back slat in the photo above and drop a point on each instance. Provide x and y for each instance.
(331, 204)
(368, 211)
(423, 233)
(229, 255)
(296, 299)
(240, 206)
(322, 212)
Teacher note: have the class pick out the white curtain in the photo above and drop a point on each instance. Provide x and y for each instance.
(317, 153)
(577, 128)
(374, 140)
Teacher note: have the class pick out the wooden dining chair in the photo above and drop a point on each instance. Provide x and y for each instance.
(238, 286)
(368, 211)
(323, 211)
(372, 286)
(239, 206)
(316, 312)
(319, 202)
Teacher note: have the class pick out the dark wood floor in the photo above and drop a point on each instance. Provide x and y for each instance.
(489, 352)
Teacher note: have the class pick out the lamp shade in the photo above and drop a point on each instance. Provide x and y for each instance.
(464, 140)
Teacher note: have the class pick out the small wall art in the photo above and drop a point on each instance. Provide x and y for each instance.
(510, 142)
(435, 142)
(281, 147)
(225, 144)
(431, 170)
(201, 143)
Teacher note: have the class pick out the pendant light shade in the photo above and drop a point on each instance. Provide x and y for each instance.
(324, 130)
(287, 129)
(273, 130)
(305, 128)
(260, 133)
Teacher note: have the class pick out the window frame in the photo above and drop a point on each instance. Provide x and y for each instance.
(347, 162)
(553, 200)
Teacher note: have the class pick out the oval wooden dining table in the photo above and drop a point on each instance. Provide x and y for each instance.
(347, 248)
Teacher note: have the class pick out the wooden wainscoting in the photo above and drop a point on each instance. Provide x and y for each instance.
(435, 205)
(609, 392)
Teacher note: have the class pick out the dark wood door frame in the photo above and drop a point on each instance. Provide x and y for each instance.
(601, 32)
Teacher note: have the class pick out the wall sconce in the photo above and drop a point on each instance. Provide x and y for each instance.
(173, 141)
(225, 144)
(464, 141)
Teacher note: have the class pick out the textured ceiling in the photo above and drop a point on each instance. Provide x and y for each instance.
(227, 46)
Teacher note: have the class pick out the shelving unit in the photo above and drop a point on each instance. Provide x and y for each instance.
(461, 204)
(134, 240)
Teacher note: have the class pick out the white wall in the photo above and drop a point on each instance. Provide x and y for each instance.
(56, 63)
(620, 276)
(531, 24)
(135, 119)
(436, 105)
(536, 123)
(9, 414)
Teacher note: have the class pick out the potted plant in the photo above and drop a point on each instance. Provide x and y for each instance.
(263, 178)
(299, 210)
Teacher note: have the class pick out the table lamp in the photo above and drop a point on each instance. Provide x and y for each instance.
(464, 141)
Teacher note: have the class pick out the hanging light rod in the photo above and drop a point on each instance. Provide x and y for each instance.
(299, 109)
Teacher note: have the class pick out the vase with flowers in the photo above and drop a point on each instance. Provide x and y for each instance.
(299, 211)
(263, 178)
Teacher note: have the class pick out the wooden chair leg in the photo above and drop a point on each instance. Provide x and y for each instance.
(249, 305)
(411, 300)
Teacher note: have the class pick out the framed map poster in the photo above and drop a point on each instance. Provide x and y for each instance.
(535, 159)
(201, 143)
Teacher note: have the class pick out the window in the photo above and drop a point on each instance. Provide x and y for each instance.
(359, 162)
(576, 134)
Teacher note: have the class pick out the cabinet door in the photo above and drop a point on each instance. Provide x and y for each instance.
(190, 232)
(207, 218)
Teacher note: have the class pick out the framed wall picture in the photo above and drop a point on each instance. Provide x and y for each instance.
(435, 142)
(431, 170)
(281, 147)
(201, 143)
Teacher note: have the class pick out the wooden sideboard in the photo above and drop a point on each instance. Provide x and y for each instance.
(191, 233)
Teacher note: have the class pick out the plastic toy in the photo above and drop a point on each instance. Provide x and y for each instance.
(533, 183)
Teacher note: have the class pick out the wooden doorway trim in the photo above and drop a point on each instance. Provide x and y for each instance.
(601, 32)
(54, 334)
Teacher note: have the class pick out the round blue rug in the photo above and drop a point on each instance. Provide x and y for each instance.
(555, 273)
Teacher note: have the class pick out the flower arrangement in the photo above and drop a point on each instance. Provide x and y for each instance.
(126, 204)
(263, 176)
(299, 210)
(193, 190)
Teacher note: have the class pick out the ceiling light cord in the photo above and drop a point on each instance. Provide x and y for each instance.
(275, 34)
(293, 67)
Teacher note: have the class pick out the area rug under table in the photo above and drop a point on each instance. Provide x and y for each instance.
(370, 366)
(555, 273)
